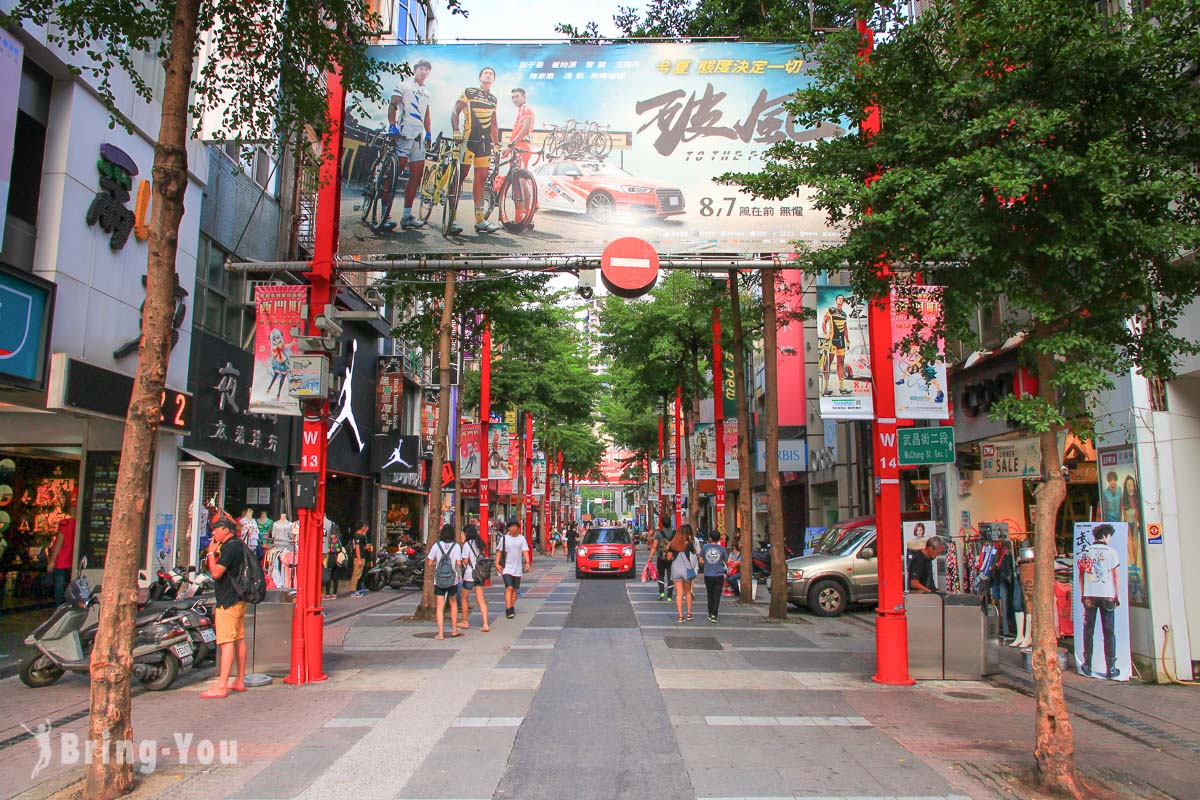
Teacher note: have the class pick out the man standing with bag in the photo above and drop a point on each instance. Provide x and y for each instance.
(226, 552)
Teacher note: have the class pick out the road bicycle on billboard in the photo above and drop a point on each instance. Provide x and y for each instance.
(514, 193)
(442, 182)
(380, 188)
(577, 140)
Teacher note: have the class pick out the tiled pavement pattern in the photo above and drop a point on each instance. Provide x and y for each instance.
(596, 691)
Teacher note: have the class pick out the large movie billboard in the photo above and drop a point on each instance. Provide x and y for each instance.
(619, 140)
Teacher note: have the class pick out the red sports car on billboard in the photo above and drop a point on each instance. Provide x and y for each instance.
(604, 192)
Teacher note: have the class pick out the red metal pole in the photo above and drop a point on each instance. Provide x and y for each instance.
(719, 417)
(527, 468)
(661, 477)
(891, 624)
(485, 430)
(308, 621)
(678, 456)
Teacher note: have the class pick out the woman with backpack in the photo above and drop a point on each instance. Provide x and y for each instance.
(445, 559)
(473, 577)
(683, 572)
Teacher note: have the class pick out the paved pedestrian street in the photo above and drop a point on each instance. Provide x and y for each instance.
(596, 691)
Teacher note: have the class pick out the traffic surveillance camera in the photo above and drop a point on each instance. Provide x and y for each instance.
(585, 292)
(374, 298)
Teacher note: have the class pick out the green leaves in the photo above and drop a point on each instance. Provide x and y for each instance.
(1031, 149)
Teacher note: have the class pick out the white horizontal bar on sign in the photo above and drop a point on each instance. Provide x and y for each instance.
(630, 263)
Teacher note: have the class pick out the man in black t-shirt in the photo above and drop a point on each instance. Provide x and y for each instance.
(224, 560)
(920, 566)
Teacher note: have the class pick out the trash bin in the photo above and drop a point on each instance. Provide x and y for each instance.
(269, 633)
(967, 638)
(925, 647)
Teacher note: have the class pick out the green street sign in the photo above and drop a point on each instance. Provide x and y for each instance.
(926, 445)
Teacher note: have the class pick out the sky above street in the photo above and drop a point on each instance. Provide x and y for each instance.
(531, 19)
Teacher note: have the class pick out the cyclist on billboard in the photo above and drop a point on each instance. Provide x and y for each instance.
(408, 119)
(477, 106)
(522, 145)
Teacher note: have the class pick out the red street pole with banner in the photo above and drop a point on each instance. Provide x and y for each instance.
(678, 457)
(485, 431)
(719, 417)
(891, 624)
(308, 621)
(527, 470)
(660, 511)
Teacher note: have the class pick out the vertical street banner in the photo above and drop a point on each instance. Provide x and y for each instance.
(278, 310)
(704, 450)
(728, 386)
(1121, 501)
(920, 377)
(498, 447)
(539, 475)
(389, 394)
(1101, 600)
(667, 473)
(732, 472)
(469, 451)
(429, 420)
(843, 354)
(610, 140)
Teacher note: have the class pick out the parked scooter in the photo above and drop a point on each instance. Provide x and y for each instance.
(64, 642)
(195, 617)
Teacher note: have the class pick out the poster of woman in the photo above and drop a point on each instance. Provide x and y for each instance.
(1101, 594)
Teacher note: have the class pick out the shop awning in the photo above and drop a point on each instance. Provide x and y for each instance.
(205, 457)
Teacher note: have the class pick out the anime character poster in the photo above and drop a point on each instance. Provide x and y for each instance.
(920, 378)
(498, 447)
(1101, 600)
(468, 451)
(278, 311)
(843, 354)
(1121, 501)
(600, 141)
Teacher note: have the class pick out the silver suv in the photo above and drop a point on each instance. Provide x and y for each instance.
(842, 570)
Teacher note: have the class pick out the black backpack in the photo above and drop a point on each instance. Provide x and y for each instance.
(249, 583)
(482, 571)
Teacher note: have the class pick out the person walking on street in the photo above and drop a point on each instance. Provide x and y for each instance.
(660, 548)
(358, 558)
(714, 557)
(472, 551)
(516, 558)
(331, 545)
(683, 573)
(226, 554)
(572, 540)
(445, 559)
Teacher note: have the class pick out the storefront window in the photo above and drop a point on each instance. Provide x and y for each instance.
(36, 490)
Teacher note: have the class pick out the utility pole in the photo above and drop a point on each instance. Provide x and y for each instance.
(485, 430)
(719, 417)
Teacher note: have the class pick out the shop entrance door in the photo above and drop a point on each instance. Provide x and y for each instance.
(197, 484)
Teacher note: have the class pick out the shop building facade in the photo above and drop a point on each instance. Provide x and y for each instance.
(75, 237)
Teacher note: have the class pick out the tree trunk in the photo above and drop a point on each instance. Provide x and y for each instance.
(745, 510)
(1054, 746)
(434, 522)
(779, 601)
(110, 724)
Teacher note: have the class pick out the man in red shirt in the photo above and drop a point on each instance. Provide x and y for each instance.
(62, 551)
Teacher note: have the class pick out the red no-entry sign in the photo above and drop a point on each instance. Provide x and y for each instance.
(629, 267)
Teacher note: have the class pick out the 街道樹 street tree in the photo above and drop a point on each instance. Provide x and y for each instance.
(266, 77)
(1038, 150)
